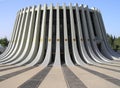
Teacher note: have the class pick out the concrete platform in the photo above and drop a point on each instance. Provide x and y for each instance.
(61, 77)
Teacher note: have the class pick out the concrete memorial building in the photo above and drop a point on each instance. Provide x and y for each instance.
(52, 36)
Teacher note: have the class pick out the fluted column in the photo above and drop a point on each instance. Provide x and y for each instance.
(27, 39)
(16, 50)
(12, 37)
(35, 42)
(57, 55)
(101, 58)
(97, 27)
(77, 57)
(39, 57)
(82, 40)
(49, 47)
(80, 36)
(15, 38)
(68, 60)
(113, 53)
(87, 32)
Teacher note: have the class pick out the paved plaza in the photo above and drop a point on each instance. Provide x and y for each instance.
(89, 76)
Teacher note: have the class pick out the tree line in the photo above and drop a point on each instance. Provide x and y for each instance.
(114, 42)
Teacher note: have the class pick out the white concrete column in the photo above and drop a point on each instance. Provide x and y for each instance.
(100, 57)
(22, 46)
(57, 54)
(16, 34)
(77, 57)
(15, 25)
(89, 38)
(35, 42)
(15, 38)
(68, 60)
(27, 35)
(12, 37)
(113, 53)
(86, 38)
(49, 46)
(103, 47)
(17, 49)
(22, 42)
(81, 41)
(39, 57)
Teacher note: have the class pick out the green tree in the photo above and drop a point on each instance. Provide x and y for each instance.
(4, 42)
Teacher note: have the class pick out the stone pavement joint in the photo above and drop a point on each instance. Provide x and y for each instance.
(106, 77)
(36, 80)
(72, 80)
(9, 68)
(108, 68)
(4, 77)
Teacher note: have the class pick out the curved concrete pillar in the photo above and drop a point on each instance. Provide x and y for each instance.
(41, 50)
(49, 49)
(100, 37)
(68, 60)
(14, 40)
(24, 37)
(18, 40)
(12, 37)
(35, 39)
(77, 57)
(113, 53)
(86, 37)
(27, 42)
(57, 54)
(100, 57)
(93, 54)
(80, 37)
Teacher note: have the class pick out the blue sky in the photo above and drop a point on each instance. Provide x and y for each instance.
(110, 10)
